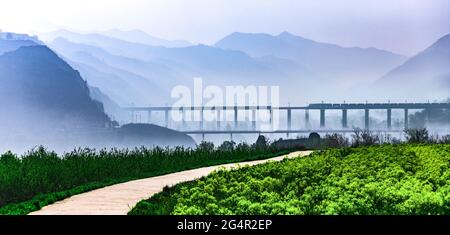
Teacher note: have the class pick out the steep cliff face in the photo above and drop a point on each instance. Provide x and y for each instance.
(40, 89)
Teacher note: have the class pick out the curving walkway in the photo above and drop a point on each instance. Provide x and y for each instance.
(119, 199)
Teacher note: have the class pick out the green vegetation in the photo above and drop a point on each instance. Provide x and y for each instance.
(374, 180)
(41, 177)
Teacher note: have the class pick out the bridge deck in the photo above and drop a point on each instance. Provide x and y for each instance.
(381, 106)
(207, 132)
(318, 106)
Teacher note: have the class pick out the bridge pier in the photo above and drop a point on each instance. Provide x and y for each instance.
(389, 119)
(218, 118)
(406, 119)
(149, 117)
(322, 118)
(289, 120)
(344, 119)
(235, 117)
(366, 119)
(254, 119)
(271, 116)
(132, 116)
(202, 126)
(166, 118)
(307, 119)
(183, 119)
(246, 114)
(138, 118)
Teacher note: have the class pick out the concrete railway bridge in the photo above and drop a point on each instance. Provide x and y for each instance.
(322, 108)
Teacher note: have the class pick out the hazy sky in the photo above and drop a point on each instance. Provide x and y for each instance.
(404, 26)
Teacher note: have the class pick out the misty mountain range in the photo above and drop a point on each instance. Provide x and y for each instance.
(125, 68)
(286, 60)
(329, 61)
(138, 36)
(45, 101)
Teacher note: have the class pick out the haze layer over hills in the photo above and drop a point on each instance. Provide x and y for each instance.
(329, 61)
(306, 71)
(426, 75)
(85, 79)
(47, 102)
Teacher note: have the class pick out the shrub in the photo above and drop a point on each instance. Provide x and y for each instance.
(364, 138)
(227, 146)
(289, 144)
(262, 142)
(336, 141)
(376, 180)
(206, 146)
(417, 135)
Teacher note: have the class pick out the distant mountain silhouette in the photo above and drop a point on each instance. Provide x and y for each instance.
(112, 73)
(193, 61)
(215, 64)
(169, 67)
(44, 90)
(425, 75)
(12, 45)
(112, 45)
(45, 101)
(138, 36)
(329, 60)
(285, 60)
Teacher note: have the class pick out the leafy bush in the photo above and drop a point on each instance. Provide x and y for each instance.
(206, 146)
(364, 138)
(262, 142)
(336, 141)
(381, 180)
(417, 135)
(227, 146)
(289, 144)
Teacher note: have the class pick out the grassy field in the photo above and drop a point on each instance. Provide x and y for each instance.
(41, 177)
(399, 179)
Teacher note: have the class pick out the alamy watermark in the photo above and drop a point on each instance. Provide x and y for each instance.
(215, 103)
